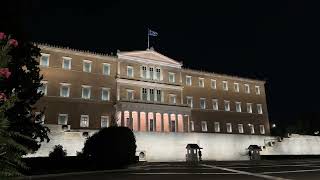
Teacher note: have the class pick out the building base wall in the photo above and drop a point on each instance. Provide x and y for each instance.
(172, 146)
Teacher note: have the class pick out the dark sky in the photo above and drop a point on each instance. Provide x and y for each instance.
(273, 40)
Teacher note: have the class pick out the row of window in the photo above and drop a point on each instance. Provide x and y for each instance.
(84, 120)
(85, 91)
(215, 105)
(66, 64)
(204, 127)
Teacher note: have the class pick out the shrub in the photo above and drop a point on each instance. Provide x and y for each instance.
(111, 147)
(58, 153)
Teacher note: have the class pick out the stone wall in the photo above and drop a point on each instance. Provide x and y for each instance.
(171, 146)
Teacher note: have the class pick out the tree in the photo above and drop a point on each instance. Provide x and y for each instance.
(24, 82)
(58, 153)
(111, 147)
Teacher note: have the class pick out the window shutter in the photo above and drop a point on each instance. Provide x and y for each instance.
(141, 74)
(148, 73)
(162, 96)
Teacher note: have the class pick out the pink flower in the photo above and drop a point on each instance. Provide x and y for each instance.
(2, 36)
(4, 72)
(13, 42)
(3, 97)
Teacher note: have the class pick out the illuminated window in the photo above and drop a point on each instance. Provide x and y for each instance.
(64, 90)
(84, 121)
(215, 105)
(66, 63)
(144, 72)
(44, 60)
(105, 94)
(213, 84)
(238, 106)
(63, 119)
(130, 94)
(188, 80)
(216, 127)
(105, 121)
(158, 73)
(249, 107)
(229, 127)
(86, 66)
(191, 125)
(130, 71)
(151, 73)
(44, 88)
(106, 69)
(227, 105)
(203, 103)
(259, 108)
(240, 128)
(262, 131)
(190, 101)
(247, 88)
(144, 94)
(151, 95)
(159, 95)
(236, 87)
(86, 92)
(172, 98)
(251, 126)
(257, 90)
(172, 78)
(204, 127)
(201, 82)
(225, 85)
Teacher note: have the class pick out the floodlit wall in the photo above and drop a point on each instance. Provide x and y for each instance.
(171, 146)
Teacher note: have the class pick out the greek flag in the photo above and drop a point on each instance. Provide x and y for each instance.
(152, 33)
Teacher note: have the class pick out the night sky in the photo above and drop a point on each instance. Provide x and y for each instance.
(277, 41)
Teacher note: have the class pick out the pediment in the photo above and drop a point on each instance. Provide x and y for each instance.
(149, 55)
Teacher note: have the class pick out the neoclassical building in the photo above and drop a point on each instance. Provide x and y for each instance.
(146, 91)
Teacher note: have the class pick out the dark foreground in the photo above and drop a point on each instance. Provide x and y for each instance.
(266, 169)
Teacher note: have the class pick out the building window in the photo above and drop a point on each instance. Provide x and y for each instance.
(201, 82)
(227, 105)
(64, 90)
(191, 125)
(151, 73)
(238, 106)
(158, 73)
(84, 121)
(225, 85)
(172, 98)
(259, 109)
(251, 126)
(151, 125)
(240, 128)
(249, 107)
(188, 80)
(203, 103)
(173, 126)
(66, 63)
(204, 127)
(159, 95)
(190, 101)
(236, 87)
(144, 94)
(63, 119)
(87, 66)
(215, 105)
(130, 94)
(257, 90)
(43, 88)
(105, 94)
(247, 88)
(213, 84)
(262, 131)
(172, 78)
(41, 119)
(216, 127)
(105, 121)
(151, 95)
(229, 127)
(44, 60)
(106, 69)
(130, 71)
(144, 72)
(86, 92)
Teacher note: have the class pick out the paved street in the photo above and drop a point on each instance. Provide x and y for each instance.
(280, 169)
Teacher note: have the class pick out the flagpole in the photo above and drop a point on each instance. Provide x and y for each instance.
(148, 38)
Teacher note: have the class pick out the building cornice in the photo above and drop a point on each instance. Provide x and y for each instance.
(148, 84)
